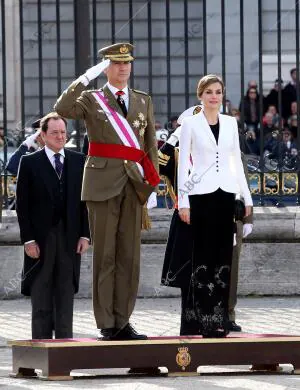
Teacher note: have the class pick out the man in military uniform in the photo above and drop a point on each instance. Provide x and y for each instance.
(120, 174)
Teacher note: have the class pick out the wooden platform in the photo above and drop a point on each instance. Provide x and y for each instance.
(181, 355)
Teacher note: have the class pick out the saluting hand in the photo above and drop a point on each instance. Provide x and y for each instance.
(184, 215)
(32, 250)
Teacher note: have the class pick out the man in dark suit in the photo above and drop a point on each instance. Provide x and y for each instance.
(54, 229)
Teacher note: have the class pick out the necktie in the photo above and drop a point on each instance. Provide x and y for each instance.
(121, 102)
(58, 164)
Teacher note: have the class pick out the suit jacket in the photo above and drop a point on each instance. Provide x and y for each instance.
(34, 206)
(214, 165)
(104, 178)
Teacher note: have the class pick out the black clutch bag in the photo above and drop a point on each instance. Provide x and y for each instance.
(239, 210)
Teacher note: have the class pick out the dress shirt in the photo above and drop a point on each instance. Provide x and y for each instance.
(114, 90)
(50, 154)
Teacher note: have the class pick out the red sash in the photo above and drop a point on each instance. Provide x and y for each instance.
(126, 153)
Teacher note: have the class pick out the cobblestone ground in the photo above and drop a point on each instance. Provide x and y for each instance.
(159, 317)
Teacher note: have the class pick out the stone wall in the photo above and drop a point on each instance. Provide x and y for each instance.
(269, 262)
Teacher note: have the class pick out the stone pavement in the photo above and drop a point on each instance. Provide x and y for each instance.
(159, 316)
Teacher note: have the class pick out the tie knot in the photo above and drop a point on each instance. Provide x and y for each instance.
(57, 156)
(120, 93)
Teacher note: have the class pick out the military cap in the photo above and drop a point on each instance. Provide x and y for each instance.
(36, 124)
(118, 52)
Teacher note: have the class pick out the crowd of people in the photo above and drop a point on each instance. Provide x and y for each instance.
(277, 139)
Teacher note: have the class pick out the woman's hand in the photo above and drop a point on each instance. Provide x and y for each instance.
(248, 211)
(184, 215)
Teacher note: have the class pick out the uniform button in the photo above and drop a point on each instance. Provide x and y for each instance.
(125, 161)
(217, 170)
(93, 165)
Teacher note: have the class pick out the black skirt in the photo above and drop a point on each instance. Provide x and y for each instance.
(207, 291)
(177, 267)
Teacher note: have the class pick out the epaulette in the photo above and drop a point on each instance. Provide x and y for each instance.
(141, 92)
(163, 158)
(94, 90)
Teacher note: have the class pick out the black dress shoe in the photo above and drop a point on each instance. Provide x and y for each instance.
(231, 325)
(216, 333)
(129, 333)
(107, 334)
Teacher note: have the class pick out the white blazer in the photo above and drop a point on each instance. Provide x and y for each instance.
(214, 165)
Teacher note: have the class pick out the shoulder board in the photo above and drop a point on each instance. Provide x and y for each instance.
(141, 92)
(93, 90)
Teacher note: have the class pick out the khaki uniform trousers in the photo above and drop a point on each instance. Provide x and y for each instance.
(235, 271)
(115, 226)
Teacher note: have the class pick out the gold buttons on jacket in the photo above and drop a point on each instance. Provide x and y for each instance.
(125, 161)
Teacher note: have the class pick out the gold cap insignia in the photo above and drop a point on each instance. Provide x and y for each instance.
(124, 49)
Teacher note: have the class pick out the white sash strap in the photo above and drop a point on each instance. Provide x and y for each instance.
(119, 124)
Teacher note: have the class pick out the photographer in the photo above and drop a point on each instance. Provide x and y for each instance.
(251, 143)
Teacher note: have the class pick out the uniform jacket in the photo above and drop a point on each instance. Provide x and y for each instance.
(214, 165)
(104, 178)
(34, 208)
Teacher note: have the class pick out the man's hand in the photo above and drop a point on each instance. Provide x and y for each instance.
(248, 211)
(184, 215)
(96, 70)
(30, 141)
(83, 245)
(32, 250)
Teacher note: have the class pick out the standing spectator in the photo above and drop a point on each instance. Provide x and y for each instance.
(1, 137)
(252, 84)
(251, 145)
(289, 94)
(292, 120)
(268, 126)
(272, 98)
(54, 229)
(276, 118)
(251, 108)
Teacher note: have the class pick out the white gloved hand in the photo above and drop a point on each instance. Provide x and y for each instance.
(247, 229)
(174, 137)
(152, 201)
(30, 141)
(234, 239)
(93, 72)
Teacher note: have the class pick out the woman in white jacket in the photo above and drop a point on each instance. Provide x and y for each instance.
(206, 197)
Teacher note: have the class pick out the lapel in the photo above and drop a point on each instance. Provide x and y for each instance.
(208, 131)
(69, 172)
(131, 115)
(48, 173)
(112, 101)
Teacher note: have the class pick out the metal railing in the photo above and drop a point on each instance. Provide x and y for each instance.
(274, 177)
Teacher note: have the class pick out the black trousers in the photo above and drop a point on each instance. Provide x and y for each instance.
(205, 296)
(52, 291)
